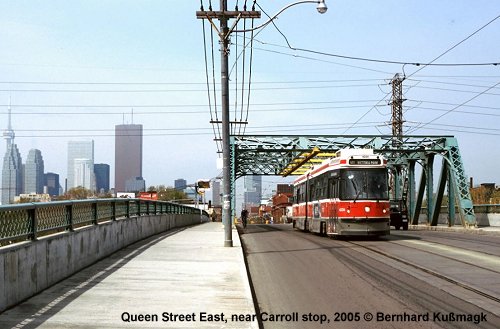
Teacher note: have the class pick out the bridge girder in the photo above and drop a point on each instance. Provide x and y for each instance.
(271, 154)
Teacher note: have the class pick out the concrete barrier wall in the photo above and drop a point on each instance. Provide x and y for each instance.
(482, 219)
(30, 267)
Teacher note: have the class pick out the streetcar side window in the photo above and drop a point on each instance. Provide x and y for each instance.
(323, 187)
(312, 192)
(333, 188)
(299, 195)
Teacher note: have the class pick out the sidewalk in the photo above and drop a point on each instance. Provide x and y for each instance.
(183, 278)
(486, 230)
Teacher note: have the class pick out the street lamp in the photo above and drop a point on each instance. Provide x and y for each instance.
(322, 8)
(223, 15)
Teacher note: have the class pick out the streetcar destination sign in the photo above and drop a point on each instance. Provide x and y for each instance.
(364, 162)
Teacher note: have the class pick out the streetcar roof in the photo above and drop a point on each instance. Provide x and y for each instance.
(346, 158)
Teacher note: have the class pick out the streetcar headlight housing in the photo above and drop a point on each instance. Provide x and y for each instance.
(367, 209)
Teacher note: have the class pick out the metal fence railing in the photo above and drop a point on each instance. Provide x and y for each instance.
(28, 221)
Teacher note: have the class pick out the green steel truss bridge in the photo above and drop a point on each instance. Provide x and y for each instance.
(291, 155)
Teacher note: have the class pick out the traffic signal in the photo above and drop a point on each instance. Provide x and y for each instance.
(203, 184)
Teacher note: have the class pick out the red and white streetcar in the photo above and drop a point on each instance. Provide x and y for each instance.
(344, 195)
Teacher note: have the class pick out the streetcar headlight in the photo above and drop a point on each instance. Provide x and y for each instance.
(384, 211)
(367, 209)
(348, 211)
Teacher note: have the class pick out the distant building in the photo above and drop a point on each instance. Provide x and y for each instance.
(34, 179)
(281, 203)
(31, 197)
(83, 151)
(12, 170)
(84, 173)
(128, 154)
(180, 184)
(216, 195)
(136, 184)
(252, 190)
(12, 174)
(284, 189)
(52, 184)
(101, 171)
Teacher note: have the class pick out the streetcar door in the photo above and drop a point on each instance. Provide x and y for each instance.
(333, 188)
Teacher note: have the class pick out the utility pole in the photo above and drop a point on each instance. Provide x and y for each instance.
(223, 15)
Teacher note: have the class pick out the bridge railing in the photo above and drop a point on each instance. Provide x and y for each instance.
(28, 221)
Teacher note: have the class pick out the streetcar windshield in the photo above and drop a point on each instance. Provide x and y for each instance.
(364, 185)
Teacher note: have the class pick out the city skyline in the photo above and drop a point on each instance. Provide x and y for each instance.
(84, 73)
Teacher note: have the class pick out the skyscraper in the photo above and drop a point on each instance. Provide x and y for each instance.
(253, 190)
(33, 172)
(128, 154)
(101, 171)
(180, 184)
(84, 173)
(52, 183)
(12, 177)
(12, 170)
(81, 150)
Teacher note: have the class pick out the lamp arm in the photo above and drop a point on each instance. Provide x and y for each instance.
(276, 15)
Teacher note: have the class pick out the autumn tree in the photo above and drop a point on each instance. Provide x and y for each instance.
(78, 193)
(168, 193)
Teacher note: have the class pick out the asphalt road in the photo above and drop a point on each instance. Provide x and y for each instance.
(408, 280)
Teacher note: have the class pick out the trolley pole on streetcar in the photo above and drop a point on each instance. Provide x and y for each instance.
(223, 15)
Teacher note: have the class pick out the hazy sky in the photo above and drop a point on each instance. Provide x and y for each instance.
(75, 69)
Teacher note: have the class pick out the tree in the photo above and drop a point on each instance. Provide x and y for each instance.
(78, 193)
(167, 193)
(484, 195)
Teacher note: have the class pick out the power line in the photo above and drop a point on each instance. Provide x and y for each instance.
(174, 83)
(382, 61)
(435, 59)
(183, 105)
(456, 107)
(456, 45)
(454, 104)
(174, 90)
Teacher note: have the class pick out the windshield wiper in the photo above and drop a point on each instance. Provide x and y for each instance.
(355, 190)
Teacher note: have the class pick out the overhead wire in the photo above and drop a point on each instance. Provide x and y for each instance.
(207, 78)
(218, 136)
(249, 74)
(233, 126)
(456, 45)
(456, 107)
(441, 55)
(255, 130)
(431, 63)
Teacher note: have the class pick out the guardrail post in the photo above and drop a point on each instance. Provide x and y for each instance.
(94, 213)
(32, 215)
(113, 210)
(128, 208)
(69, 217)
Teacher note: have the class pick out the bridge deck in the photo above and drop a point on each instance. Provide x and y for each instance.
(185, 273)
